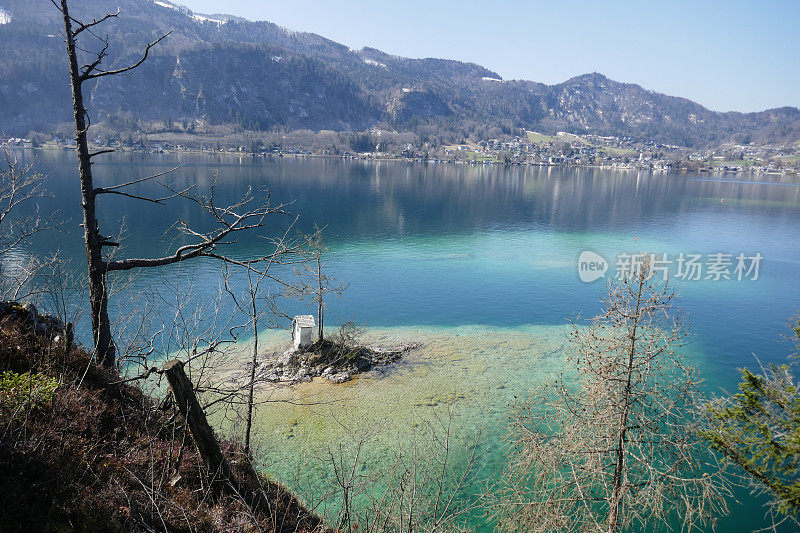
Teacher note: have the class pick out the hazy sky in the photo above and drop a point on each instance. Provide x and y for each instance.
(728, 55)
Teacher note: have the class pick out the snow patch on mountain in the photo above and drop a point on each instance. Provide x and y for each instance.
(5, 17)
(166, 4)
(374, 63)
(195, 16)
(206, 18)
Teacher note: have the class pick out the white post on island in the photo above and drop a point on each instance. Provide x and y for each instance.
(302, 326)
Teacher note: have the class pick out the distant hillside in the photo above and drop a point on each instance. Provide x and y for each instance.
(227, 70)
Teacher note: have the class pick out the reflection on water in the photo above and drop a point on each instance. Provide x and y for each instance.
(448, 245)
(383, 199)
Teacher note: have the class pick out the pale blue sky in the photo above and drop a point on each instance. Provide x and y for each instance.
(729, 56)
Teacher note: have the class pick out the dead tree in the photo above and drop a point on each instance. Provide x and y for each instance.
(248, 303)
(317, 283)
(258, 306)
(202, 434)
(611, 444)
(429, 481)
(242, 216)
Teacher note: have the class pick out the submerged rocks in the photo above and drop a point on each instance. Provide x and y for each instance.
(332, 362)
(339, 377)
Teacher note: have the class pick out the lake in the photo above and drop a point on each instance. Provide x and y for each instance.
(479, 263)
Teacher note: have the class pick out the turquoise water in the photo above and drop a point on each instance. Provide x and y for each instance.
(479, 264)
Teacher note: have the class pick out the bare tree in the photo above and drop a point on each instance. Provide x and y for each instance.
(250, 304)
(246, 215)
(20, 220)
(612, 443)
(431, 482)
(259, 305)
(317, 283)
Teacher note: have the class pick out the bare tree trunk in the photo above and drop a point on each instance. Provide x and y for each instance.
(201, 432)
(320, 296)
(98, 297)
(228, 220)
(249, 425)
(614, 446)
(321, 285)
(619, 467)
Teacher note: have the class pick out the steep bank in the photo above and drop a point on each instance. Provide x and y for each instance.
(80, 451)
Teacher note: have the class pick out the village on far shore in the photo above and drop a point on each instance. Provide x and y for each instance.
(530, 148)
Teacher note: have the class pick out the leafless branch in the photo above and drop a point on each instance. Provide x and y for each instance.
(95, 72)
(610, 443)
(100, 152)
(160, 201)
(229, 221)
(101, 190)
(81, 27)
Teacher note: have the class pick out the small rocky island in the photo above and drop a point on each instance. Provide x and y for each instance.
(338, 358)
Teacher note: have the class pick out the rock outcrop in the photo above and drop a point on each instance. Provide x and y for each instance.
(335, 363)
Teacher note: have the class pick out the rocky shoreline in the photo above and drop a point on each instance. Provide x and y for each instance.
(328, 361)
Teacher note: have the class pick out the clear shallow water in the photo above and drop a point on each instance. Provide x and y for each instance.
(475, 370)
(456, 255)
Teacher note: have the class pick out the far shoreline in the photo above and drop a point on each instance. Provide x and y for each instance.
(241, 156)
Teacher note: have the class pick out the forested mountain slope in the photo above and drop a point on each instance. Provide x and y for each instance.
(226, 70)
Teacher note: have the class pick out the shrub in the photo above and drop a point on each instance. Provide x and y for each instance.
(19, 391)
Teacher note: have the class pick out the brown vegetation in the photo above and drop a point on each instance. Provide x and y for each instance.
(611, 443)
(95, 454)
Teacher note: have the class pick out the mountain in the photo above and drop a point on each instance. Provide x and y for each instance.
(227, 70)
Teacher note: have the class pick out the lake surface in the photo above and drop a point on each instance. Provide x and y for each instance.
(480, 263)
